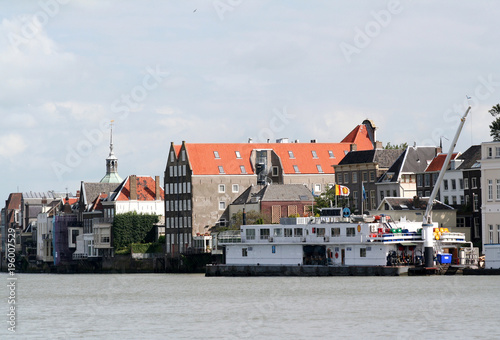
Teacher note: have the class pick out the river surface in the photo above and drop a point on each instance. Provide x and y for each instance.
(171, 306)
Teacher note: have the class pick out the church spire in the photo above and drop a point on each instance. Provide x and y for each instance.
(111, 162)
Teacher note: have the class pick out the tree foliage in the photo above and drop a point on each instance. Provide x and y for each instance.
(400, 146)
(495, 125)
(253, 217)
(132, 227)
(327, 199)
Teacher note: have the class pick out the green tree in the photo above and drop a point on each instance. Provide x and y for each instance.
(495, 125)
(400, 146)
(132, 227)
(327, 199)
(252, 217)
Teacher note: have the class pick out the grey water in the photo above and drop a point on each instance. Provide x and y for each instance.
(170, 306)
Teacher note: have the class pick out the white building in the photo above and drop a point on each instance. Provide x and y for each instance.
(490, 185)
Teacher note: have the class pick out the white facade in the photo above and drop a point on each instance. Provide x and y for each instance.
(44, 238)
(490, 191)
(492, 256)
(144, 207)
(452, 186)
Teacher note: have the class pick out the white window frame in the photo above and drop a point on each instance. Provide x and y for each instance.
(236, 188)
(222, 188)
(222, 205)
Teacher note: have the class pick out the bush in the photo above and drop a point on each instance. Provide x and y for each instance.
(132, 227)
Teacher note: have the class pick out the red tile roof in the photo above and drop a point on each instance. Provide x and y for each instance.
(437, 163)
(203, 160)
(145, 189)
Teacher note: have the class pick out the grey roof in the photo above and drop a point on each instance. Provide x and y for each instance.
(90, 190)
(246, 196)
(384, 157)
(287, 192)
(470, 157)
(403, 203)
(413, 160)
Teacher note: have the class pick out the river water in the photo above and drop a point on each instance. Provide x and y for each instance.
(171, 306)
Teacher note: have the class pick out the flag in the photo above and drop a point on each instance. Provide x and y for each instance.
(341, 190)
(364, 192)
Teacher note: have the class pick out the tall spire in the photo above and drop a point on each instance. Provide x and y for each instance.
(111, 162)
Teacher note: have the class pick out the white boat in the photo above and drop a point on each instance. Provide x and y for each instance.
(334, 240)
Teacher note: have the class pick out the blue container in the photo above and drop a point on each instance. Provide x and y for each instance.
(444, 258)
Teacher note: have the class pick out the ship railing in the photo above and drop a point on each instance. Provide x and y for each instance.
(394, 237)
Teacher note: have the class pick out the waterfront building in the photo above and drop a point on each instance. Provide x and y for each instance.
(201, 180)
(490, 184)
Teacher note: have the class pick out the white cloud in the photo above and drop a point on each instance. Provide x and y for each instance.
(12, 145)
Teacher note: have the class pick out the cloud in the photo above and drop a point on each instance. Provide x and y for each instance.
(12, 145)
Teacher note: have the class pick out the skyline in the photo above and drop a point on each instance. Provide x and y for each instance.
(224, 71)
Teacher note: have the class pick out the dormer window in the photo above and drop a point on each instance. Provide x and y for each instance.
(216, 154)
(330, 153)
(221, 169)
(320, 170)
(243, 170)
(314, 154)
(238, 155)
(296, 168)
(290, 154)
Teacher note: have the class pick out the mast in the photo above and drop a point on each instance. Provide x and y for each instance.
(427, 222)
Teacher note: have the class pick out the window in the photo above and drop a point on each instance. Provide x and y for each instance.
(297, 232)
(236, 187)
(221, 169)
(497, 153)
(320, 232)
(290, 154)
(330, 153)
(460, 222)
(104, 239)
(250, 234)
(288, 232)
(372, 176)
(454, 200)
(498, 190)
(467, 201)
(498, 233)
(491, 233)
(365, 177)
(490, 152)
(462, 201)
(320, 170)
(453, 184)
(473, 183)
(350, 232)
(275, 171)
(222, 205)
(242, 169)
(264, 234)
(183, 155)
(490, 190)
(475, 202)
(278, 232)
(238, 155)
(339, 178)
(222, 188)
(461, 183)
(477, 227)
(427, 180)
(381, 195)
(466, 183)
(317, 187)
(446, 200)
(244, 252)
(216, 154)
(296, 169)
(314, 154)
(394, 193)
(335, 232)
(172, 156)
(372, 199)
(346, 178)
(362, 252)
(355, 177)
(445, 183)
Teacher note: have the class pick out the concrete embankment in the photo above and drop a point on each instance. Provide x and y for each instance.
(277, 270)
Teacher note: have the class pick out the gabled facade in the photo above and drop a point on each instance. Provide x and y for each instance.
(490, 184)
(400, 179)
(201, 180)
(362, 169)
(11, 218)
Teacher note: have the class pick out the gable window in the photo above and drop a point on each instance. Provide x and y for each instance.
(314, 154)
(221, 169)
(296, 169)
(222, 188)
(172, 156)
(216, 154)
(330, 153)
(275, 171)
(290, 154)
(242, 169)
(238, 155)
(320, 170)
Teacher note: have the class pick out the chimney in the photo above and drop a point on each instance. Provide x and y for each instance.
(157, 188)
(354, 147)
(78, 194)
(133, 187)
(378, 145)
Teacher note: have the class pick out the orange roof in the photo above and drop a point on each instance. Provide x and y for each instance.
(437, 163)
(145, 189)
(359, 136)
(304, 156)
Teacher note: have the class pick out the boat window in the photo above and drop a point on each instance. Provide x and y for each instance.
(335, 232)
(244, 252)
(288, 232)
(278, 232)
(297, 232)
(320, 232)
(362, 252)
(350, 232)
(250, 234)
(264, 234)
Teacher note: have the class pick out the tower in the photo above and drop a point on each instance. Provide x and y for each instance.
(111, 163)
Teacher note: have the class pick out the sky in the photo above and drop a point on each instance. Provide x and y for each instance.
(209, 71)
